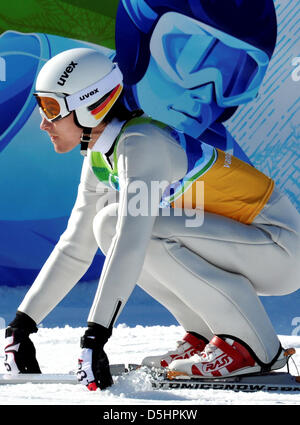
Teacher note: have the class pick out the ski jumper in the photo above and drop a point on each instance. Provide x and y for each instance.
(209, 276)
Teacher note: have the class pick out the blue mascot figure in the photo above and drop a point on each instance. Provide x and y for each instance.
(191, 64)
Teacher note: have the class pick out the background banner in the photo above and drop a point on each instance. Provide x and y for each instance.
(162, 58)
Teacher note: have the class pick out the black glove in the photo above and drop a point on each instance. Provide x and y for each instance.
(93, 365)
(20, 355)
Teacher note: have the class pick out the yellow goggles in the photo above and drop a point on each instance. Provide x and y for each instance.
(52, 107)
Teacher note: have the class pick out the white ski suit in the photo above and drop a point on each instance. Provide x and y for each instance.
(210, 275)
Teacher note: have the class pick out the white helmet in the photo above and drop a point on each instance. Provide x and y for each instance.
(82, 80)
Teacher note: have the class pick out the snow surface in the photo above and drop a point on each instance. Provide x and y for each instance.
(149, 330)
(57, 350)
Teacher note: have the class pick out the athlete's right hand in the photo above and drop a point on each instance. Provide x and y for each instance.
(20, 354)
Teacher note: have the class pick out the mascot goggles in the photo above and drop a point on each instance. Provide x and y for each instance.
(55, 106)
(192, 54)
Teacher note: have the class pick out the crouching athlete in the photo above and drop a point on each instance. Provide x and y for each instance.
(209, 276)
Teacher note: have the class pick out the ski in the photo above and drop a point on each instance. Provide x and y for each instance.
(38, 378)
(272, 382)
(55, 378)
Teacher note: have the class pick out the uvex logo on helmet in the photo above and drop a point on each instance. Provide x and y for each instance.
(66, 73)
(91, 93)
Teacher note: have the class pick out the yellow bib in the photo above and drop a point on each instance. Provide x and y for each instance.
(232, 188)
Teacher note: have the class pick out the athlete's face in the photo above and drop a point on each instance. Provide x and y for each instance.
(64, 133)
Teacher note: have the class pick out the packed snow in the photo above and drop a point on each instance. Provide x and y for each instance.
(57, 350)
(144, 328)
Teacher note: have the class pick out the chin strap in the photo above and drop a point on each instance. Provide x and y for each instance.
(84, 140)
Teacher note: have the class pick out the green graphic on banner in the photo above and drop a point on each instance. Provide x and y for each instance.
(92, 21)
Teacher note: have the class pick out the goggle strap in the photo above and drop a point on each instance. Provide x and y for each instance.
(97, 90)
(84, 141)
